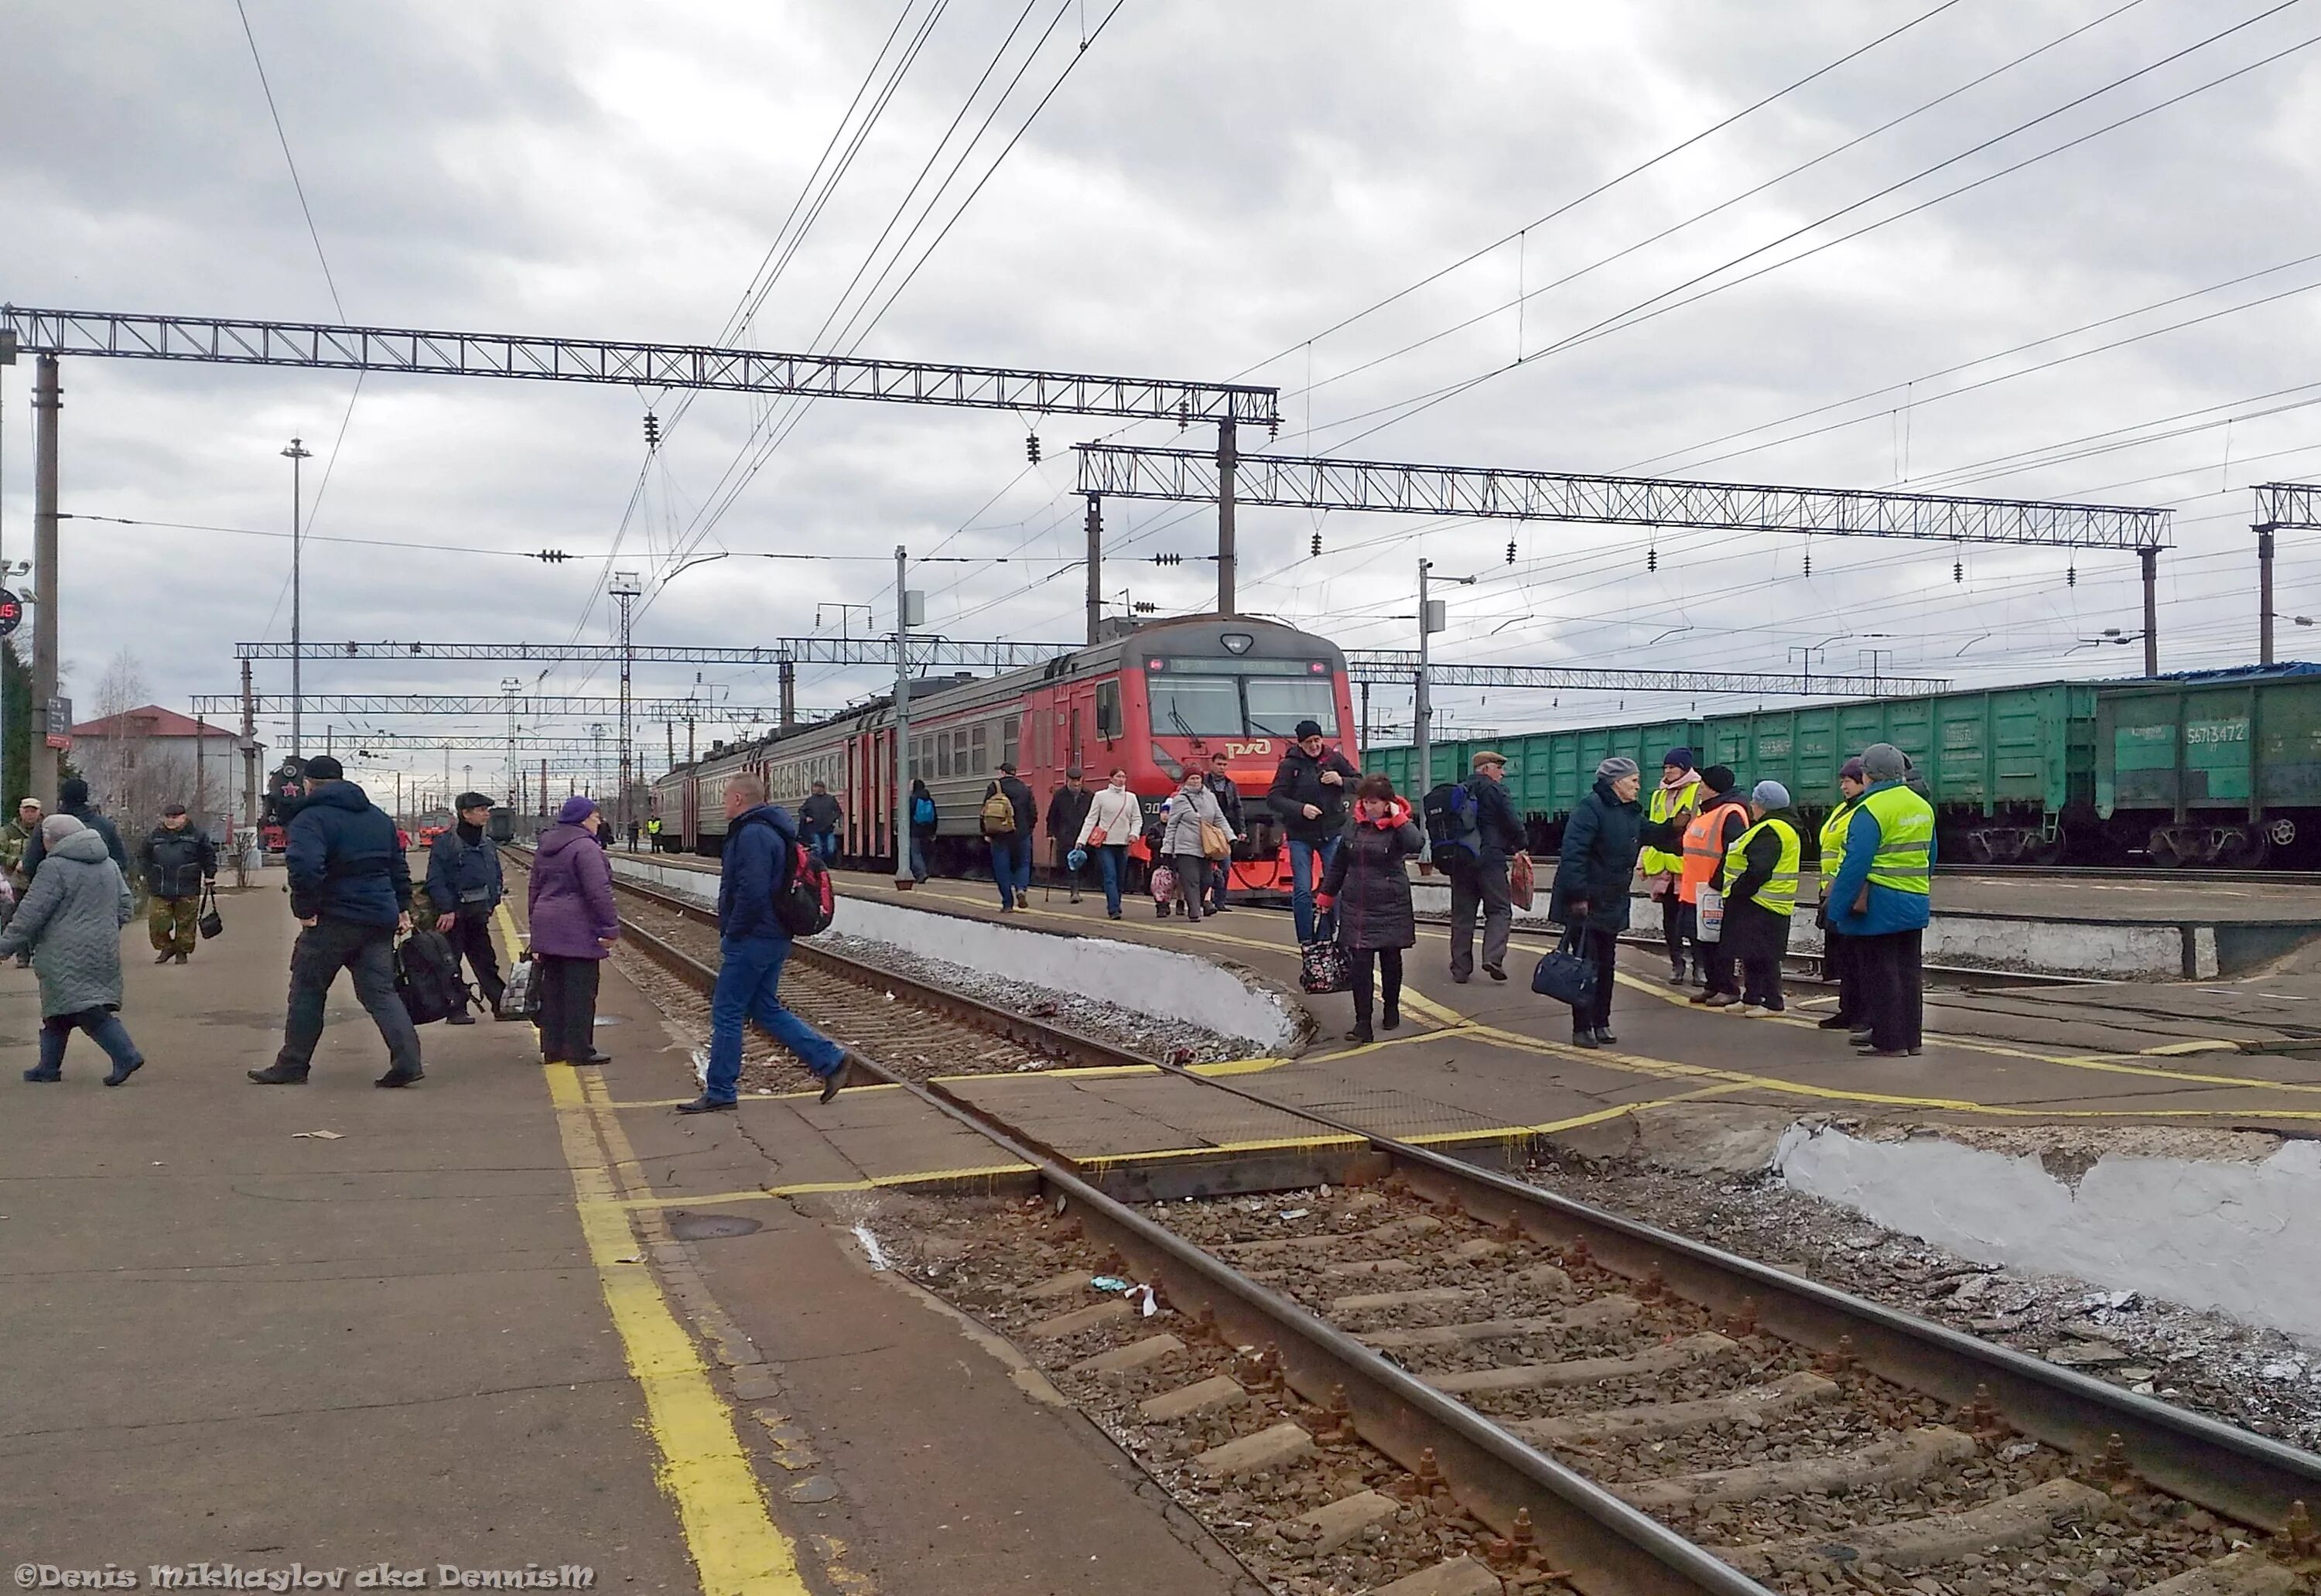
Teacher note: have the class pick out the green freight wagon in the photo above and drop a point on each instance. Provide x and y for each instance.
(2224, 769)
(1548, 772)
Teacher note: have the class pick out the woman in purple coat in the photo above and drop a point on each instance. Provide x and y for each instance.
(573, 926)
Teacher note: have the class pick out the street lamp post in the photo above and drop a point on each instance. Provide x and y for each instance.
(297, 454)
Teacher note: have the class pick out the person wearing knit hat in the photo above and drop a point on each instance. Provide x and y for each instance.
(70, 921)
(1601, 840)
(1677, 798)
(72, 798)
(350, 889)
(1758, 880)
(1721, 816)
(1882, 900)
(574, 926)
(1837, 960)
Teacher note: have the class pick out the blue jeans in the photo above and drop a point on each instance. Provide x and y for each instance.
(1011, 868)
(750, 986)
(825, 845)
(918, 859)
(1112, 863)
(1307, 863)
(104, 1027)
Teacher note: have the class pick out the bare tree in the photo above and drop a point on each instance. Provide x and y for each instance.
(131, 775)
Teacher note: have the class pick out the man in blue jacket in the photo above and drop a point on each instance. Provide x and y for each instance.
(351, 889)
(1882, 900)
(752, 947)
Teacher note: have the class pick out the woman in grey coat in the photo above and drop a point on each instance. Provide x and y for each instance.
(71, 920)
(1188, 808)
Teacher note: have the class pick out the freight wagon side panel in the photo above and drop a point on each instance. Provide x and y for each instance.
(2287, 742)
(2178, 750)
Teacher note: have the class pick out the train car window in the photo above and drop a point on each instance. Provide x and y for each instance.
(1073, 747)
(958, 753)
(1010, 741)
(978, 750)
(1107, 710)
(1277, 703)
(1195, 705)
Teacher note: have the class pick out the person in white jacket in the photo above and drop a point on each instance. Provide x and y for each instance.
(1114, 819)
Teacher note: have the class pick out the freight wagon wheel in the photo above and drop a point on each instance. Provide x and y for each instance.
(1978, 847)
(2161, 849)
(2047, 850)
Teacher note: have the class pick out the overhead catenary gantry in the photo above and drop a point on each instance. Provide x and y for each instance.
(2279, 506)
(1401, 665)
(526, 705)
(1184, 476)
(51, 334)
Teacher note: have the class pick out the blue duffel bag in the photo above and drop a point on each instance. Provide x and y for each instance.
(1565, 976)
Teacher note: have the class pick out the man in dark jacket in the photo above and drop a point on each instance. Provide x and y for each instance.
(1481, 882)
(818, 819)
(72, 798)
(179, 861)
(1068, 806)
(1227, 792)
(1312, 787)
(351, 889)
(463, 883)
(1601, 840)
(752, 946)
(1011, 852)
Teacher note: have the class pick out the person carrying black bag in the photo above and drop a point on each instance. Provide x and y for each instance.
(1606, 831)
(465, 886)
(1367, 891)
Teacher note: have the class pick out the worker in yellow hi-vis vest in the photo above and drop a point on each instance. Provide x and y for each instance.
(1759, 883)
(1676, 798)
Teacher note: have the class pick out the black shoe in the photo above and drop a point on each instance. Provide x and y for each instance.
(1584, 1039)
(181, 958)
(400, 1078)
(1458, 979)
(1605, 1036)
(498, 1015)
(41, 1076)
(1496, 971)
(1835, 1022)
(705, 1104)
(459, 1017)
(122, 1072)
(593, 1057)
(278, 1075)
(1675, 972)
(1112, 913)
(1221, 908)
(1391, 1020)
(1360, 1034)
(164, 956)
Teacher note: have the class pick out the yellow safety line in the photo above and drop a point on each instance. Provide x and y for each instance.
(734, 1544)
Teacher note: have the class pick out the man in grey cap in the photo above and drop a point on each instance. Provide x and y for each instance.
(1758, 880)
(1882, 899)
(1479, 881)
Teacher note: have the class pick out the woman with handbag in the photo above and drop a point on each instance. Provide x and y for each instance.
(1194, 832)
(1606, 831)
(1113, 820)
(574, 925)
(1367, 890)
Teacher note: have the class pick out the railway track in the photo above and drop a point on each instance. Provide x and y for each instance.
(916, 1030)
(1415, 1369)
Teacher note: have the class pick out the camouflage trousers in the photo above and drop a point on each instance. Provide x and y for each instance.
(171, 921)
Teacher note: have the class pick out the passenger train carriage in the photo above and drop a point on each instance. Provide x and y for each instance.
(1152, 701)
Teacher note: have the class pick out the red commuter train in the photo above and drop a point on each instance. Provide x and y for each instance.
(1156, 700)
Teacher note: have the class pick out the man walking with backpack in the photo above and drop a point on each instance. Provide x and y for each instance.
(762, 853)
(463, 883)
(1009, 813)
(1483, 835)
(351, 889)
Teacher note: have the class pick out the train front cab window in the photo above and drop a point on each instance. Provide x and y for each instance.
(1239, 697)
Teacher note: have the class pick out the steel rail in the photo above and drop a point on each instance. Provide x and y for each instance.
(1607, 1547)
(2244, 1476)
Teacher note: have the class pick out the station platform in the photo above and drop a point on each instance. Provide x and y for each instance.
(495, 1322)
(1488, 1061)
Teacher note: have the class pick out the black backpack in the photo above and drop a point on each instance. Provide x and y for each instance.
(1451, 823)
(427, 976)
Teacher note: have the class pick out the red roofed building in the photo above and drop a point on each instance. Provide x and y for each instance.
(141, 759)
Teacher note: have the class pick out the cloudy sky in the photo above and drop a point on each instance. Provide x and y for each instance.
(1936, 264)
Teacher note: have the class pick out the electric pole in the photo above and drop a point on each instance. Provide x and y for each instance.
(624, 587)
(909, 609)
(48, 402)
(298, 454)
(511, 686)
(1228, 456)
